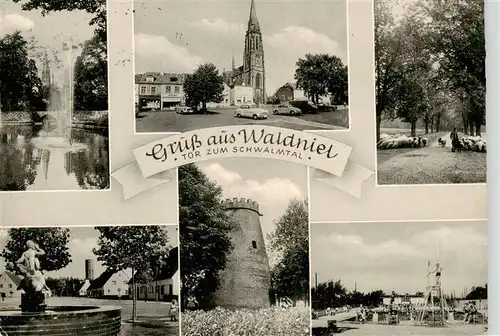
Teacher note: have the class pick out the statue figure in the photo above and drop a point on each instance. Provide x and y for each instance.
(437, 272)
(33, 282)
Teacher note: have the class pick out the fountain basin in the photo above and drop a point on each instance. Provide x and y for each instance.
(62, 321)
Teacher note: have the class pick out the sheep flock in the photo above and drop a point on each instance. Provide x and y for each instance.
(472, 143)
(400, 141)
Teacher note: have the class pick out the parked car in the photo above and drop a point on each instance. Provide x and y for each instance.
(247, 111)
(304, 105)
(326, 107)
(184, 110)
(286, 109)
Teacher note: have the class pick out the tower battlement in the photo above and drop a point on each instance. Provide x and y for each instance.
(241, 203)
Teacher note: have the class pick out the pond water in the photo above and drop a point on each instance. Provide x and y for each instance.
(32, 158)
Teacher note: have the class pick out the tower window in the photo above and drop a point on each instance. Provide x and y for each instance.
(254, 244)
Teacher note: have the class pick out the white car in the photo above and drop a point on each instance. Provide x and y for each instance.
(246, 111)
(286, 109)
(184, 110)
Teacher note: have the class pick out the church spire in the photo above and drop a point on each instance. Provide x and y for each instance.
(253, 23)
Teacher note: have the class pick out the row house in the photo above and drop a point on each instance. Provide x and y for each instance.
(164, 285)
(155, 91)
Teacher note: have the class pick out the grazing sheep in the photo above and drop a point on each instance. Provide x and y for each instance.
(399, 141)
(473, 143)
(442, 142)
(424, 142)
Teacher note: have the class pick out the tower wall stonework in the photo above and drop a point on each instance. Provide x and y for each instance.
(246, 280)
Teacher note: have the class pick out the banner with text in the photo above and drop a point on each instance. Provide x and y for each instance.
(250, 141)
(243, 141)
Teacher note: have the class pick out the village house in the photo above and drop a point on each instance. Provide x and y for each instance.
(8, 284)
(165, 285)
(110, 284)
(289, 92)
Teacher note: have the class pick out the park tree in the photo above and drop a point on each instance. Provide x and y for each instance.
(388, 46)
(20, 86)
(329, 294)
(203, 86)
(91, 76)
(478, 293)
(131, 247)
(320, 74)
(204, 235)
(434, 54)
(456, 35)
(333, 294)
(290, 241)
(66, 286)
(53, 241)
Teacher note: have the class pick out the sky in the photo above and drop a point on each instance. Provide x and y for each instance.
(176, 36)
(272, 183)
(49, 32)
(394, 256)
(82, 241)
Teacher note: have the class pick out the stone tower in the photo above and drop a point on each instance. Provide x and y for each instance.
(89, 269)
(253, 58)
(246, 280)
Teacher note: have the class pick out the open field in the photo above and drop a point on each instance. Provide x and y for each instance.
(429, 165)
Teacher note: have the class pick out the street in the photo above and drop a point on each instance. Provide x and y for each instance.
(169, 121)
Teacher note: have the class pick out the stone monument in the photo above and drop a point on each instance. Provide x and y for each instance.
(36, 319)
(33, 282)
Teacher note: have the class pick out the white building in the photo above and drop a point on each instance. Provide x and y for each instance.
(162, 287)
(299, 94)
(83, 291)
(159, 90)
(226, 96)
(111, 284)
(399, 300)
(8, 284)
(166, 284)
(241, 95)
(136, 94)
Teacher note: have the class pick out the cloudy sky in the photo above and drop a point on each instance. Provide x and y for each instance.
(176, 36)
(50, 31)
(272, 183)
(394, 256)
(82, 241)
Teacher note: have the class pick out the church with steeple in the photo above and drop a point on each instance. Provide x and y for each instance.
(253, 72)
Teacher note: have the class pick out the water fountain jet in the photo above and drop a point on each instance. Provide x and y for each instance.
(61, 107)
